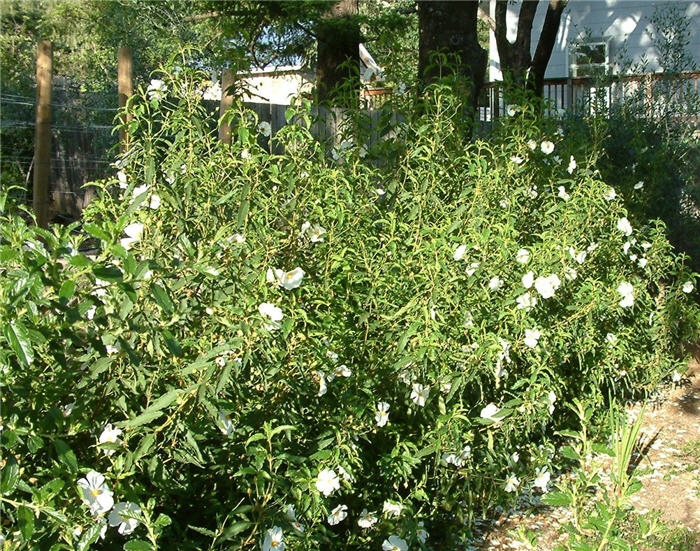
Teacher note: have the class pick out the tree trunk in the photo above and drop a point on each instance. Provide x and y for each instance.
(338, 65)
(518, 65)
(449, 28)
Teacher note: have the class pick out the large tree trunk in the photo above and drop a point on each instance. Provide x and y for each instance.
(449, 27)
(517, 64)
(338, 65)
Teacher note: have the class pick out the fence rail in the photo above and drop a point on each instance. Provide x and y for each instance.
(655, 93)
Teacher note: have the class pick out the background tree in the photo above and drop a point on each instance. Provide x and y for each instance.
(450, 28)
(518, 65)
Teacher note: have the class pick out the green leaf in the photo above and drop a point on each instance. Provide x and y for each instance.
(10, 476)
(100, 366)
(162, 521)
(18, 337)
(67, 290)
(162, 299)
(97, 231)
(66, 455)
(235, 529)
(25, 520)
(108, 273)
(154, 410)
(137, 545)
(557, 499)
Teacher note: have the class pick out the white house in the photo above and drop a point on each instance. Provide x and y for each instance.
(594, 33)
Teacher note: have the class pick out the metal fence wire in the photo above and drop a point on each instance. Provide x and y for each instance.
(82, 144)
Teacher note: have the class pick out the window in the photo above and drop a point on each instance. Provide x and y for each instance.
(589, 58)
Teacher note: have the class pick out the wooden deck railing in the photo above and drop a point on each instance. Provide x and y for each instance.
(655, 93)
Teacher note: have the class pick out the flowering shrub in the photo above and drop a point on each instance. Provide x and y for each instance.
(305, 351)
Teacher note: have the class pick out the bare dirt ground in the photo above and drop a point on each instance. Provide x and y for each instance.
(669, 470)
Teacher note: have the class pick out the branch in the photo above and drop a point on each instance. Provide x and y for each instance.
(550, 28)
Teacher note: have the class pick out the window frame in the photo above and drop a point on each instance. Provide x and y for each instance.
(574, 67)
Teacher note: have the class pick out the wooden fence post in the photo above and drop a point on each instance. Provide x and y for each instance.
(226, 102)
(125, 89)
(42, 133)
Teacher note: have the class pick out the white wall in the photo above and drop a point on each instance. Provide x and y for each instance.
(277, 88)
(624, 22)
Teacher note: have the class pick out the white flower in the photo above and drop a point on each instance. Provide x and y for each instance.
(96, 494)
(676, 377)
(542, 480)
(154, 202)
(522, 256)
(472, 268)
(468, 319)
(126, 524)
(528, 279)
(626, 290)
(90, 312)
(345, 474)
(419, 394)
(367, 519)
(512, 483)
(394, 543)
(332, 355)
(532, 144)
(503, 203)
(526, 301)
(572, 165)
(134, 232)
(327, 482)
(643, 262)
(109, 435)
(563, 194)
(138, 190)
(639, 185)
(392, 509)
(273, 313)
(547, 286)
(490, 413)
(339, 371)
(531, 192)
(338, 514)
(156, 90)
(121, 177)
(516, 159)
(274, 540)
(646, 245)
(531, 337)
(288, 280)
(379, 191)
(265, 128)
(551, 398)
(547, 147)
(624, 226)
(611, 338)
(610, 194)
(314, 233)
(688, 287)
(515, 457)
(226, 422)
(495, 283)
(67, 409)
(382, 416)
(421, 533)
(111, 349)
(460, 252)
(511, 110)
(220, 361)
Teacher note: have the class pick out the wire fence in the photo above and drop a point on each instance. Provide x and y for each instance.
(82, 144)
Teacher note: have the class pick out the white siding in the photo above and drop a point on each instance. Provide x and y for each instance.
(624, 22)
